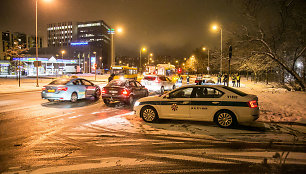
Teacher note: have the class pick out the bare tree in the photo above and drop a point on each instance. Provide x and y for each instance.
(275, 29)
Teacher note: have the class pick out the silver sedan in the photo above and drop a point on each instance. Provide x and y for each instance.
(70, 89)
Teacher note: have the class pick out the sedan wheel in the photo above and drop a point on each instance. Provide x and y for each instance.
(131, 100)
(148, 114)
(97, 94)
(74, 97)
(106, 101)
(225, 119)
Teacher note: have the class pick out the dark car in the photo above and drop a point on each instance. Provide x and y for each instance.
(126, 91)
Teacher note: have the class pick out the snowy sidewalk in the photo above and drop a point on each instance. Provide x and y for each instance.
(11, 85)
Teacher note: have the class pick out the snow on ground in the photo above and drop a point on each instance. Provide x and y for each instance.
(277, 104)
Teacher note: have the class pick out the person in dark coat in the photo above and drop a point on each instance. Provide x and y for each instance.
(111, 77)
(225, 79)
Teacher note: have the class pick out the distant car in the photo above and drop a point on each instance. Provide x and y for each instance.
(224, 105)
(157, 83)
(126, 91)
(70, 89)
(206, 79)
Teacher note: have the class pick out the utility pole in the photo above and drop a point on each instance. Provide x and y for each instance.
(229, 63)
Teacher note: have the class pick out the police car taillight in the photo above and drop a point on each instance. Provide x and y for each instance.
(125, 92)
(62, 88)
(43, 88)
(253, 104)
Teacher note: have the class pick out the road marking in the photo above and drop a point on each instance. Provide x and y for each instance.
(57, 116)
(75, 116)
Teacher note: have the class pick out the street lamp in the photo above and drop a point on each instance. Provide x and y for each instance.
(204, 49)
(141, 50)
(151, 54)
(112, 32)
(36, 44)
(215, 27)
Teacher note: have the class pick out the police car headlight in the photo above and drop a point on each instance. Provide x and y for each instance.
(136, 103)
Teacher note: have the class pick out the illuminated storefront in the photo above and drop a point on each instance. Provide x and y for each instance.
(50, 66)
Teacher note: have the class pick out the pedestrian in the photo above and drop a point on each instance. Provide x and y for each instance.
(187, 79)
(219, 78)
(234, 80)
(111, 77)
(238, 80)
(225, 79)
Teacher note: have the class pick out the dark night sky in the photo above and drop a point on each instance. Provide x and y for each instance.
(165, 27)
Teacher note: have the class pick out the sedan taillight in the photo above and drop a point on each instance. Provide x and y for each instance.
(103, 91)
(125, 92)
(62, 88)
(253, 104)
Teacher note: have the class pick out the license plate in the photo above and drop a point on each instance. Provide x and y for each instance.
(51, 90)
(113, 92)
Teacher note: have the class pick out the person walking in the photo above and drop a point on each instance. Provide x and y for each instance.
(187, 79)
(111, 77)
(234, 80)
(238, 80)
(219, 78)
(224, 79)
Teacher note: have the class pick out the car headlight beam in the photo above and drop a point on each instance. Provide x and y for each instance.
(136, 103)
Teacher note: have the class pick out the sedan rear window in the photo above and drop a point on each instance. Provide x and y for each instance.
(149, 78)
(59, 82)
(116, 83)
(235, 91)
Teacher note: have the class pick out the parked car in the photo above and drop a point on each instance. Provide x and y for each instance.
(157, 83)
(70, 89)
(224, 105)
(126, 91)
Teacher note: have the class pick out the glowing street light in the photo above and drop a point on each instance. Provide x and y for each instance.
(141, 50)
(215, 27)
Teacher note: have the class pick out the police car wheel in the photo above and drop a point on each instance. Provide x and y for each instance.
(50, 100)
(74, 97)
(225, 119)
(148, 114)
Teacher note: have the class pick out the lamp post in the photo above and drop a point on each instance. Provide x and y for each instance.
(63, 52)
(204, 49)
(215, 27)
(36, 44)
(112, 32)
(141, 50)
(151, 54)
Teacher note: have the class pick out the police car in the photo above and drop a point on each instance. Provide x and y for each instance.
(224, 105)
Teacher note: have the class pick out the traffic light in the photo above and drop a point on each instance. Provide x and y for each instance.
(95, 66)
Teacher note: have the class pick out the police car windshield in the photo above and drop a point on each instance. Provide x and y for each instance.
(116, 83)
(59, 82)
(235, 91)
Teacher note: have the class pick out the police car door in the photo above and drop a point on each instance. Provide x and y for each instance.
(205, 103)
(177, 104)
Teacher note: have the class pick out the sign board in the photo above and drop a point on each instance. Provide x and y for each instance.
(37, 63)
